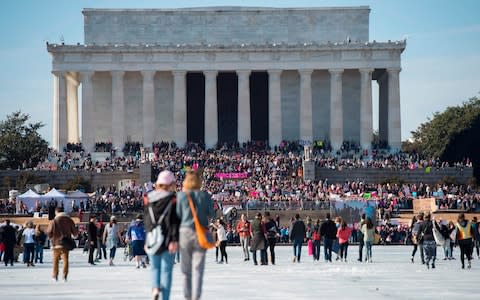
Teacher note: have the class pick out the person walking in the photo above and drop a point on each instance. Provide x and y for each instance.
(416, 237)
(111, 238)
(244, 228)
(297, 236)
(328, 230)
(360, 238)
(465, 239)
(221, 240)
(62, 226)
(476, 235)
(192, 263)
(316, 237)
(160, 207)
(368, 232)
(9, 238)
(28, 235)
(343, 234)
(446, 232)
(136, 237)
(259, 240)
(272, 234)
(40, 239)
(92, 239)
(428, 240)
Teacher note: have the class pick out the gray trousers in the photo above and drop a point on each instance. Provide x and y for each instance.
(192, 263)
(245, 241)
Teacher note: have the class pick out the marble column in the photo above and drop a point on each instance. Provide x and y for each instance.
(383, 108)
(211, 117)
(88, 116)
(59, 140)
(336, 108)
(274, 108)
(179, 108)
(366, 121)
(73, 135)
(118, 110)
(244, 125)
(306, 108)
(148, 108)
(394, 114)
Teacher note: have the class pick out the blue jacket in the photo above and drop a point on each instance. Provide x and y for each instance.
(203, 205)
(136, 232)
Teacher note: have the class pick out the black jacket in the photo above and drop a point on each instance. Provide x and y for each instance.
(9, 237)
(297, 230)
(328, 229)
(426, 230)
(272, 229)
(92, 233)
(158, 201)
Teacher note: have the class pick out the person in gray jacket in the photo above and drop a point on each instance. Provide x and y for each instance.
(193, 256)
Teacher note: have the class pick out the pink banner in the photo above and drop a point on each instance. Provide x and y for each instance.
(242, 175)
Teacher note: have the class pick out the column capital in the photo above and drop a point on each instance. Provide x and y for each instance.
(365, 70)
(59, 73)
(393, 71)
(335, 71)
(274, 72)
(244, 73)
(86, 76)
(179, 73)
(210, 73)
(305, 72)
(117, 74)
(148, 74)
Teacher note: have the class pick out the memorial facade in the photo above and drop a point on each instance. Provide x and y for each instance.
(225, 74)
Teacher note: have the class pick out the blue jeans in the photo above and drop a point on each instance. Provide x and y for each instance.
(113, 250)
(28, 252)
(162, 266)
(39, 253)
(369, 250)
(327, 249)
(297, 249)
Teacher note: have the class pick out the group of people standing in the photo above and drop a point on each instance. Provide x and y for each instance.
(427, 233)
(33, 239)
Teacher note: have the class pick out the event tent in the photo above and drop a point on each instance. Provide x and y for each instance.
(74, 197)
(29, 198)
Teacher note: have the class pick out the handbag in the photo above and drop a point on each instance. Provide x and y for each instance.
(155, 237)
(68, 243)
(204, 236)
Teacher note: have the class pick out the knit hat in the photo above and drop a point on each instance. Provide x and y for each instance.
(165, 178)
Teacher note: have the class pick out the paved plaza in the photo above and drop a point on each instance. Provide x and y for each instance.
(391, 275)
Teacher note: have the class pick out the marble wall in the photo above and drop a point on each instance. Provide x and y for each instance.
(226, 25)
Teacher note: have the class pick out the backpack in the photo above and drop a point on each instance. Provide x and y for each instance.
(155, 238)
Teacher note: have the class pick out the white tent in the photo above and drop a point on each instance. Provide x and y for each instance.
(29, 198)
(54, 195)
(74, 197)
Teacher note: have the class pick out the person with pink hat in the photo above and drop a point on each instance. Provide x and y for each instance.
(160, 210)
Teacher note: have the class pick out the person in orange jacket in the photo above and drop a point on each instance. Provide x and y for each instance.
(244, 228)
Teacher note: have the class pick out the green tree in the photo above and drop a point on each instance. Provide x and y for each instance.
(28, 178)
(452, 135)
(20, 142)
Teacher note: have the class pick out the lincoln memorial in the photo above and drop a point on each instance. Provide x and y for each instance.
(225, 74)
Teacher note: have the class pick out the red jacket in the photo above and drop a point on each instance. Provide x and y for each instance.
(244, 228)
(343, 234)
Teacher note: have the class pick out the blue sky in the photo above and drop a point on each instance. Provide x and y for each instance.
(440, 66)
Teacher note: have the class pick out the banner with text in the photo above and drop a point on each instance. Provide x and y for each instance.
(241, 175)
